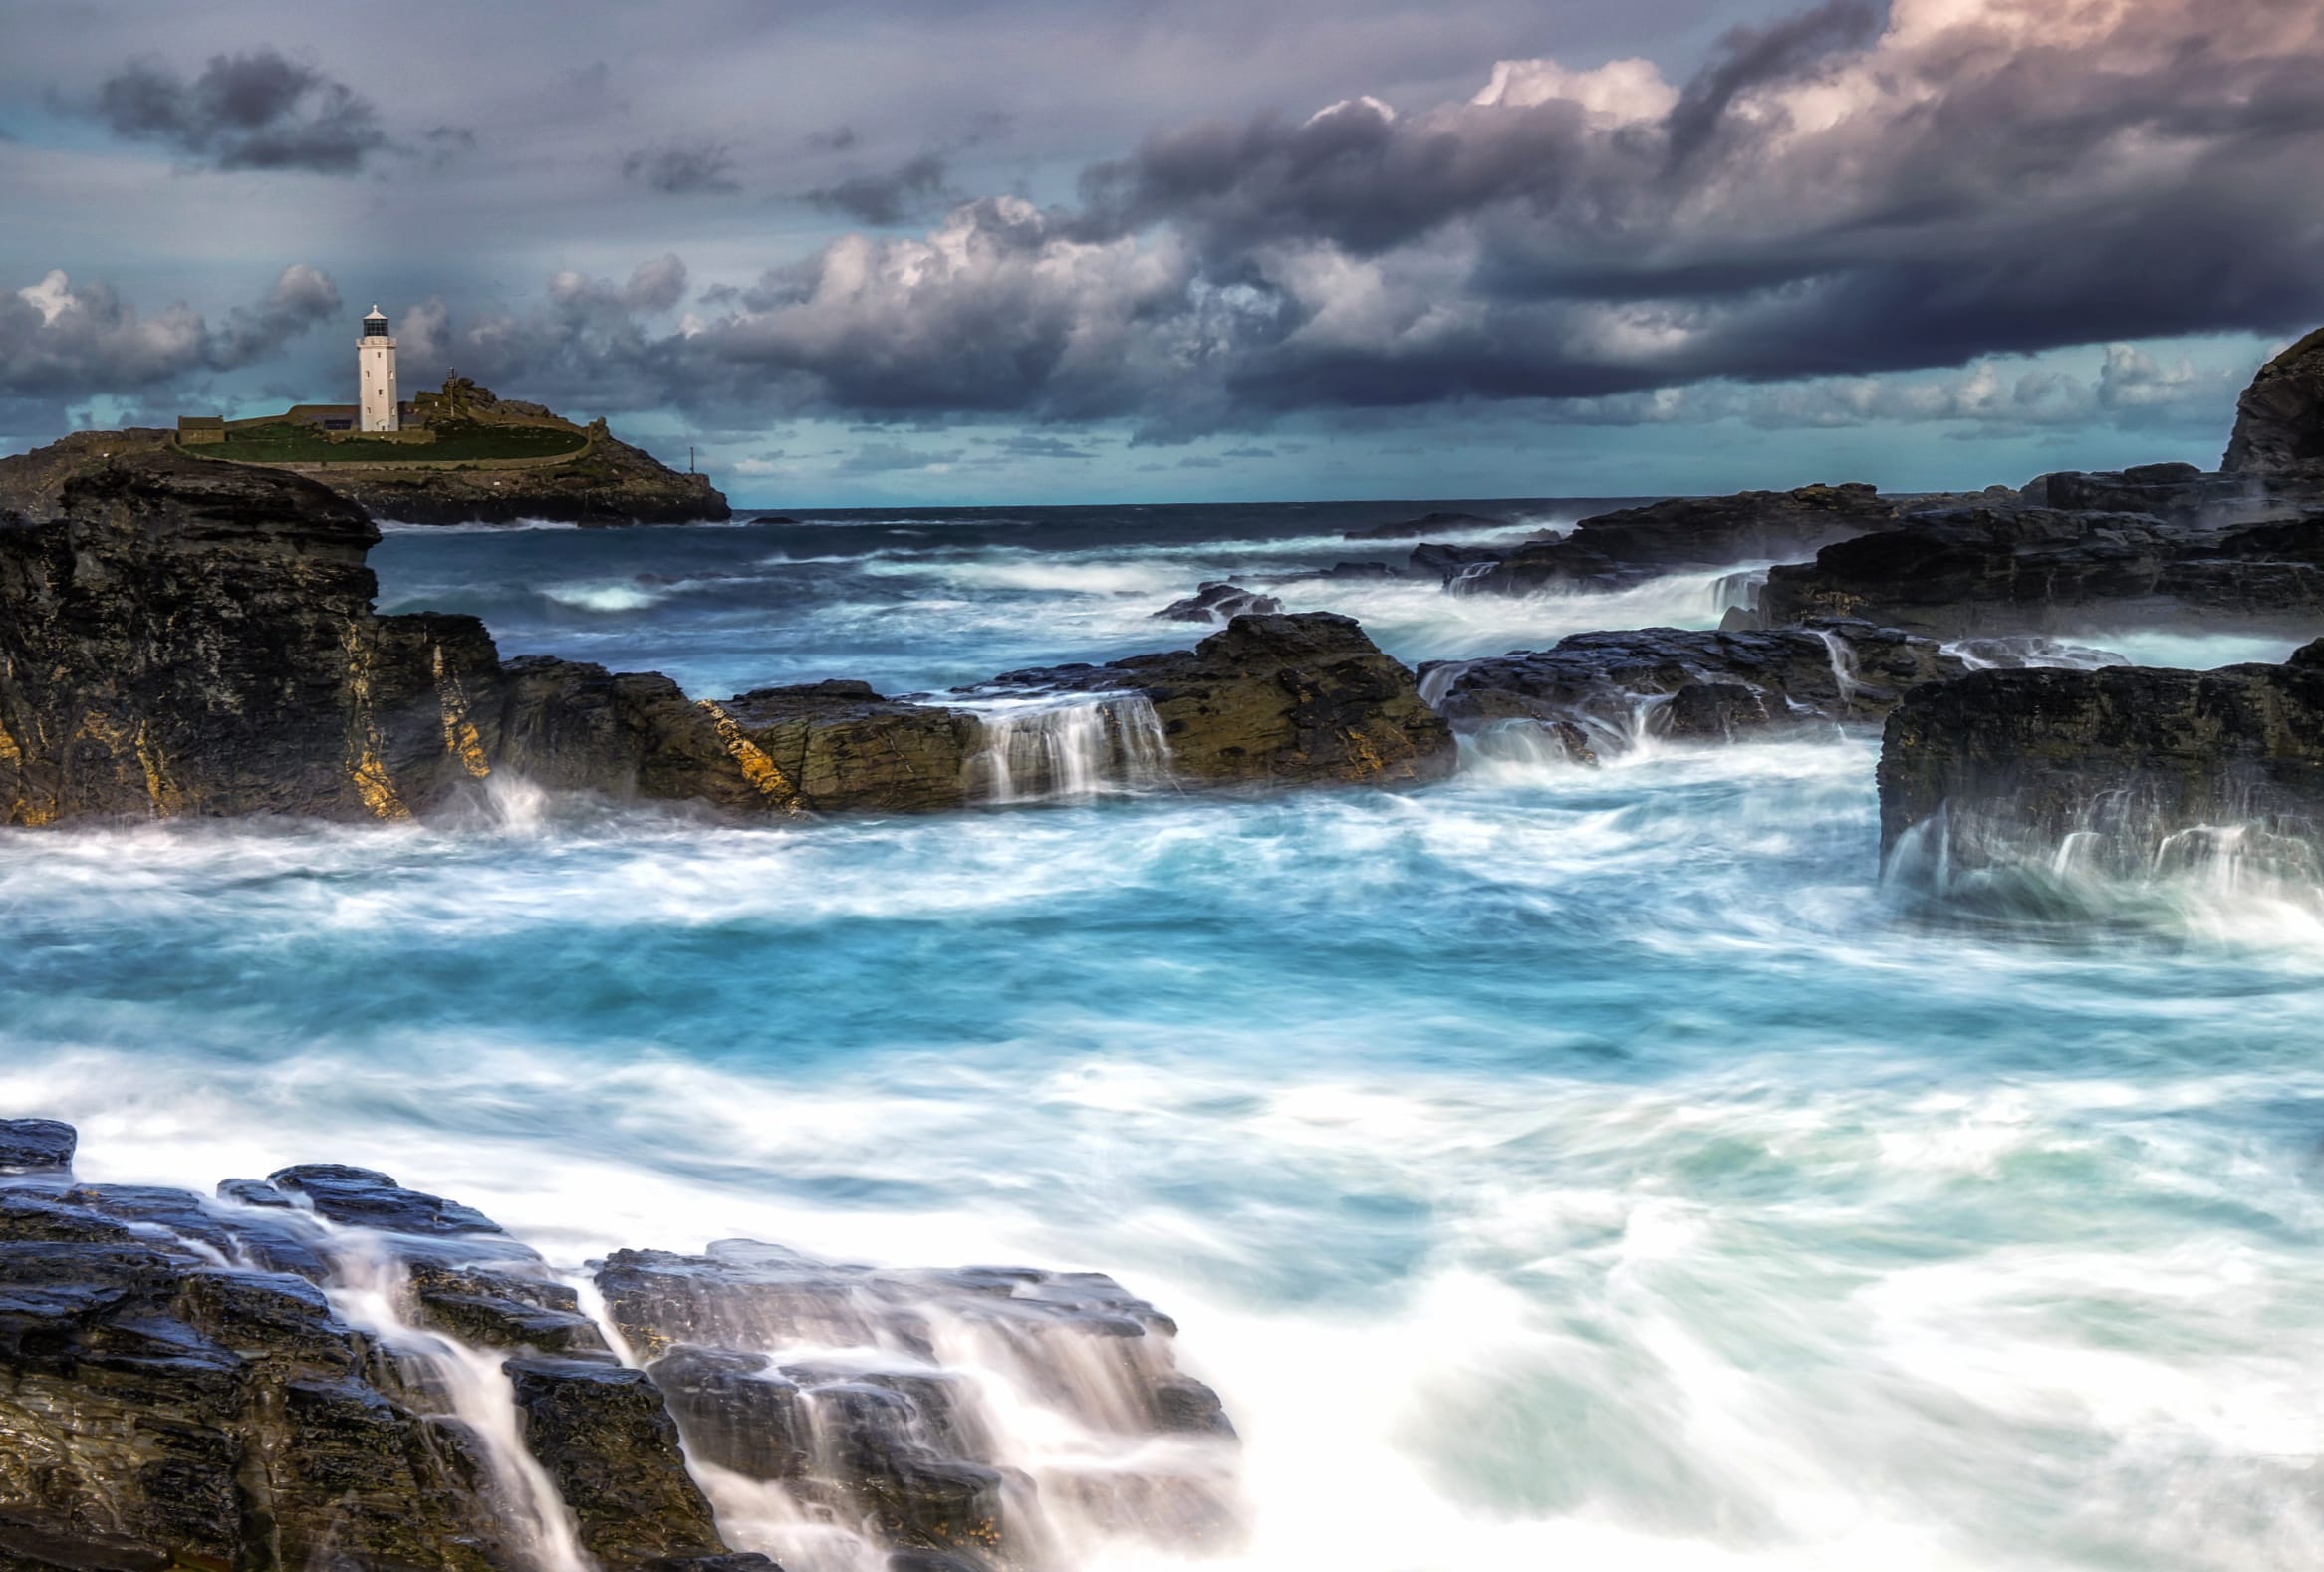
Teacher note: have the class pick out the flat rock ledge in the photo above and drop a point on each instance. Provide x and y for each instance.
(326, 1368)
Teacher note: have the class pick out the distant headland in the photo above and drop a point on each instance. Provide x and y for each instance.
(457, 454)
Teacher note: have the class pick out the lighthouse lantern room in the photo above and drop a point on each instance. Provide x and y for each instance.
(374, 356)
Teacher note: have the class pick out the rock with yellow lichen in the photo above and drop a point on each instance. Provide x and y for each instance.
(181, 638)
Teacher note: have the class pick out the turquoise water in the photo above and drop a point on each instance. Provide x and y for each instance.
(1550, 1167)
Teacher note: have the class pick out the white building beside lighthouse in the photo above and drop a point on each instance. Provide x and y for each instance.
(375, 358)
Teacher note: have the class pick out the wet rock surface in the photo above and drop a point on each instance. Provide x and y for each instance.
(195, 1382)
(2045, 570)
(1219, 604)
(1616, 549)
(2123, 768)
(2279, 421)
(881, 1429)
(1294, 699)
(1595, 693)
(36, 1146)
(1428, 523)
(179, 637)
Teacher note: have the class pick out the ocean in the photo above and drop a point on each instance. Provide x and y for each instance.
(1596, 1168)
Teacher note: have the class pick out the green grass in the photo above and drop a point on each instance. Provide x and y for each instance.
(286, 442)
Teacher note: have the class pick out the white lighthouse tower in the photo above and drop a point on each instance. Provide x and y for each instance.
(374, 360)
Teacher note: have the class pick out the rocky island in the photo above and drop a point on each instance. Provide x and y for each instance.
(462, 455)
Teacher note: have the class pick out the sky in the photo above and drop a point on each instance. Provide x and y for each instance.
(970, 252)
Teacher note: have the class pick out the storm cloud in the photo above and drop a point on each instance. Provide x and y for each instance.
(890, 198)
(1825, 197)
(683, 169)
(253, 110)
(61, 341)
(1831, 194)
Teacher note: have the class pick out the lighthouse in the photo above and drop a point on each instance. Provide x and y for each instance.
(375, 361)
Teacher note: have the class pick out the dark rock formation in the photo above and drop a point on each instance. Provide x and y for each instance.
(1593, 693)
(2175, 493)
(1683, 534)
(368, 1198)
(182, 638)
(1219, 604)
(2139, 765)
(1428, 523)
(2279, 420)
(36, 1146)
(607, 1442)
(2027, 569)
(1363, 570)
(1303, 700)
(891, 1436)
(160, 1410)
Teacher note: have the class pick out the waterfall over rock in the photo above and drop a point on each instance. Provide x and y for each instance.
(331, 1370)
(1068, 749)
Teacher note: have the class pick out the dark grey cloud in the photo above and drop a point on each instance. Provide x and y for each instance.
(1829, 195)
(259, 110)
(63, 341)
(683, 169)
(1748, 56)
(909, 190)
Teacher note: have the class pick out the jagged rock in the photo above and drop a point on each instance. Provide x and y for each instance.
(880, 1430)
(735, 1410)
(1453, 563)
(368, 1198)
(1686, 533)
(187, 638)
(1410, 529)
(2030, 570)
(1610, 687)
(607, 1442)
(253, 1193)
(1296, 699)
(158, 1410)
(2279, 420)
(500, 1304)
(2002, 767)
(2177, 494)
(842, 745)
(1361, 570)
(36, 1146)
(1219, 604)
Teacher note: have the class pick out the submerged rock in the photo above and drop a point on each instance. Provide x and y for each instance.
(1593, 693)
(2125, 766)
(1219, 604)
(2003, 570)
(1413, 529)
(1616, 549)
